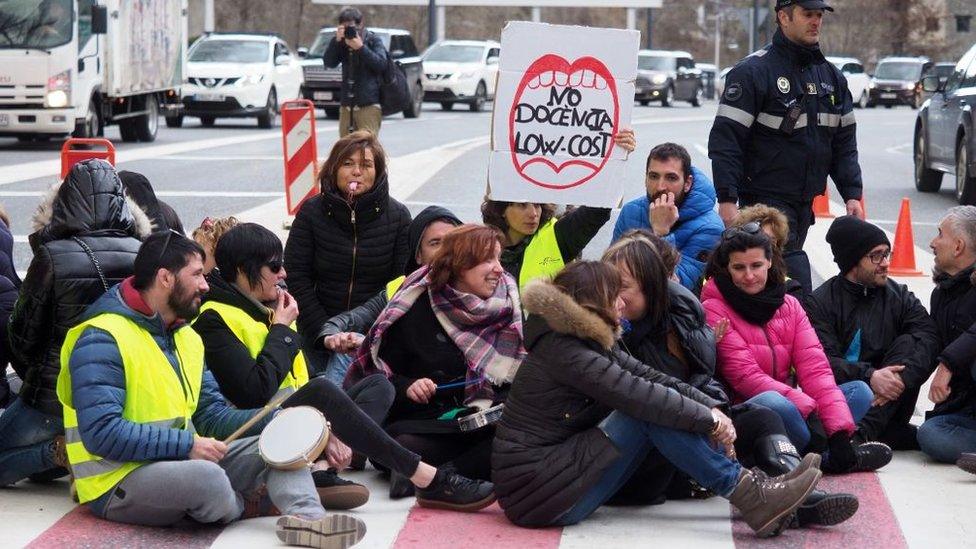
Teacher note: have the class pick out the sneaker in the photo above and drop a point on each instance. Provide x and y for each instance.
(456, 493)
(339, 493)
(329, 532)
(823, 509)
(871, 456)
(400, 486)
(967, 462)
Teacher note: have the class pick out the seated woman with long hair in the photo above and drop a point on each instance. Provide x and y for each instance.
(771, 355)
(667, 331)
(582, 415)
(448, 340)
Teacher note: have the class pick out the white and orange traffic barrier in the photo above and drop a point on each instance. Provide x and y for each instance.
(300, 151)
(71, 156)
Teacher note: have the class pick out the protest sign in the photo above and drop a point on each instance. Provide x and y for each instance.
(563, 93)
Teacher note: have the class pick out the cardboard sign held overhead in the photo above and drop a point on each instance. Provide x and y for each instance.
(563, 93)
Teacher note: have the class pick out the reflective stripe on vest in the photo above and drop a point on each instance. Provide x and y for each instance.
(154, 394)
(392, 287)
(542, 257)
(253, 334)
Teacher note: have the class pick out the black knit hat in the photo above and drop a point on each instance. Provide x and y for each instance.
(851, 239)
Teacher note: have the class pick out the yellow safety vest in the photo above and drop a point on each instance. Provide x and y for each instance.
(253, 334)
(154, 395)
(394, 285)
(542, 257)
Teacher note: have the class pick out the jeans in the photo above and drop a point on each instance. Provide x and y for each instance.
(690, 452)
(26, 442)
(857, 393)
(945, 437)
(337, 367)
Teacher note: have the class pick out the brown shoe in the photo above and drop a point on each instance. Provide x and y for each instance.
(766, 505)
(330, 532)
(259, 504)
(60, 452)
(338, 493)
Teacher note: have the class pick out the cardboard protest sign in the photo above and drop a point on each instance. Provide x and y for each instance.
(563, 93)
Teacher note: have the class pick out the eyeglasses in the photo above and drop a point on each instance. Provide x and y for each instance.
(879, 256)
(752, 227)
(275, 265)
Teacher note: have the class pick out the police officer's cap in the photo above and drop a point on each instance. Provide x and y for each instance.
(806, 4)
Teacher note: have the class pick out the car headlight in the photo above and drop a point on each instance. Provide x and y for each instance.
(58, 90)
(659, 79)
(909, 85)
(871, 85)
(251, 79)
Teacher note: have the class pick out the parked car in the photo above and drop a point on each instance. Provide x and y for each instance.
(858, 81)
(898, 81)
(942, 70)
(233, 75)
(709, 76)
(461, 71)
(322, 85)
(945, 131)
(667, 76)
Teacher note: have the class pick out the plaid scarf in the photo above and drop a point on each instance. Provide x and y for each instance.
(487, 331)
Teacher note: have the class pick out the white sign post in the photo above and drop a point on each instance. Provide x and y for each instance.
(563, 93)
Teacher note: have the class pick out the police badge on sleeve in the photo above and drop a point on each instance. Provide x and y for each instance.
(783, 84)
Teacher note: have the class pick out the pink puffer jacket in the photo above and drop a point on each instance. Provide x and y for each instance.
(753, 360)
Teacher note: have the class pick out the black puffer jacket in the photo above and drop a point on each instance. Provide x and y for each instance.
(894, 328)
(337, 257)
(62, 281)
(548, 450)
(954, 312)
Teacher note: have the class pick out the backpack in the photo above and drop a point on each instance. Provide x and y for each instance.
(394, 90)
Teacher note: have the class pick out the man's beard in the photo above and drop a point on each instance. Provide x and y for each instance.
(869, 278)
(182, 302)
(679, 198)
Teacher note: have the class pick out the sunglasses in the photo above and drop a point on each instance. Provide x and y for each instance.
(752, 227)
(162, 252)
(275, 265)
(878, 257)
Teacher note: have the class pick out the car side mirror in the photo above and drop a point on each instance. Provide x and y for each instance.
(492, 61)
(99, 19)
(282, 59)
(931, 84)
(302, 52)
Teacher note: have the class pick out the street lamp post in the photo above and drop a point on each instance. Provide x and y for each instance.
(431, 22)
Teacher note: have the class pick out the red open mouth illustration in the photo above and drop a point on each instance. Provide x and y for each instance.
(563, 120)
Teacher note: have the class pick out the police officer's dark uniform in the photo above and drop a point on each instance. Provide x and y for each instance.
(785, 122)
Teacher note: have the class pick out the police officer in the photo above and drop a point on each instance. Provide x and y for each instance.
(786, 122)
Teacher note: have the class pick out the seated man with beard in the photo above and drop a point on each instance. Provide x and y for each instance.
(679, 207)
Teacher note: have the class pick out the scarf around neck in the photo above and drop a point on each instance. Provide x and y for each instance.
(487, 331)
(756, 309)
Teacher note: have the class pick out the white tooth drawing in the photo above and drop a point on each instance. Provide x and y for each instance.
(546, 79)
(599, 82)
(588, 78)
(534, 83)
(561, 78)
(576, 79)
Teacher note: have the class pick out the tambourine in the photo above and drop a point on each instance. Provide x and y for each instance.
(295, 438)
(484, 418)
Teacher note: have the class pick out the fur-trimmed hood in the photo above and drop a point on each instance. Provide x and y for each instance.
(91, 199)
(541, 297)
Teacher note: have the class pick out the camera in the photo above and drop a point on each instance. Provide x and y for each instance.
(350, 32)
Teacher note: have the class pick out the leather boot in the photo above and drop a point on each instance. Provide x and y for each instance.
(767, 506)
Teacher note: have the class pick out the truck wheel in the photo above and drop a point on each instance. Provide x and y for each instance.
(927, 180)
(480, 96)
(332, 113)
(207, 121)
(89, 126)
(128, 130)
(696, 101)
(147, 125)
(417, 103)
(269, 118)
(174, 121)
(643, 102)
(446, 105)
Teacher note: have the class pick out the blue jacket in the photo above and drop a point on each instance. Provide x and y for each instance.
(694, 235)
(98, 393)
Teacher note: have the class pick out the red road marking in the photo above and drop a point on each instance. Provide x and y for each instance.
(874, 521)
(433, 529)
(80, 528)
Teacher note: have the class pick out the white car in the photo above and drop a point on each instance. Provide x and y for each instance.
(234, 75)
(858, 81)
(461, 71)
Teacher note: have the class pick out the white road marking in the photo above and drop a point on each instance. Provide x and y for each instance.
(900, 149)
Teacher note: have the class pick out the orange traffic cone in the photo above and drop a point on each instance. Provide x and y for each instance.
(821, 205)
(903, 256)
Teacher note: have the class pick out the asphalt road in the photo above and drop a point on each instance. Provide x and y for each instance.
(234, 166)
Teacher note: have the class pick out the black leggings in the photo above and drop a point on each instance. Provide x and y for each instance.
(350, 415)
(470, 453)
(751, 425)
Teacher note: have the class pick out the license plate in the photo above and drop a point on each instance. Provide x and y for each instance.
(209, 97)
(4, 120)
(322, 96)
(889, 95)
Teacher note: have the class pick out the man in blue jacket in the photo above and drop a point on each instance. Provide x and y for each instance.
(679, 207)
(140, 409)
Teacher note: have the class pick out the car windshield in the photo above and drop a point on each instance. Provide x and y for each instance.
(33, 24)
(455, 53)
(942, 71)
(898, 70)
(231, 51)
(652, 63)
(323, 39)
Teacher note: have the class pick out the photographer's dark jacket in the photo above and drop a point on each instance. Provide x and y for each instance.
(953, 308)
(362, 69)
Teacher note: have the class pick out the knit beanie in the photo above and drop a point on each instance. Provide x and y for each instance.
(851, 239)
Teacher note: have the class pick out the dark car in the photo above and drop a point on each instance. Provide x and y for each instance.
(943, 71)
(668, 76)
(322, 85)
(945, 132)
(898, 81)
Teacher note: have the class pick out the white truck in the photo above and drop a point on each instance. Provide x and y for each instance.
(76, 66)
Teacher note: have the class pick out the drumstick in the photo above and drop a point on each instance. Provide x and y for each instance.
(257, 417)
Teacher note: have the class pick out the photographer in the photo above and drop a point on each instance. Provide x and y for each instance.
(363, 59)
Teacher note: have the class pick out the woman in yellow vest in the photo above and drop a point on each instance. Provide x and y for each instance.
(536, 243)
(252, 348)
